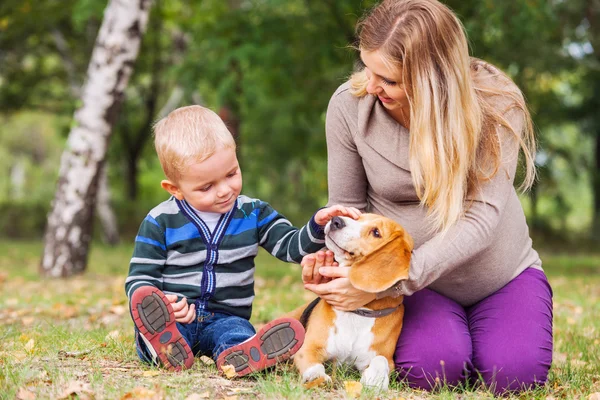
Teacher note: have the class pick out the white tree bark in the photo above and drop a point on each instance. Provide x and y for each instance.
(69, 229)
(106, 215)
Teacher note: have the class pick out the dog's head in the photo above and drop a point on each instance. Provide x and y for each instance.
(376, 248)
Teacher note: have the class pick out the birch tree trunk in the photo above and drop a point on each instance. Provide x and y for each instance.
(69, 228)
(106, 215)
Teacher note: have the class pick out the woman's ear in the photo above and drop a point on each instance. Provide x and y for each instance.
(171, 188)
(383, 267)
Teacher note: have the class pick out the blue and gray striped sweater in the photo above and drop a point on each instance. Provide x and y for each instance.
(175, 252)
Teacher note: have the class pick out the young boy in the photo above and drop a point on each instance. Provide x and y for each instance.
(191, 277)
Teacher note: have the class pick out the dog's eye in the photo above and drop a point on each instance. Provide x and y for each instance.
(376, 233)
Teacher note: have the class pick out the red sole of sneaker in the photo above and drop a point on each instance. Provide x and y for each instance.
(153, 316)
(276, 341)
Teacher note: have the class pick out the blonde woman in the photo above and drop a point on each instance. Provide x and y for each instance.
(430, 137)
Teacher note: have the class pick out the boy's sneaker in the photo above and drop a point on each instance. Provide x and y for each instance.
(276, 341)
(153, 317)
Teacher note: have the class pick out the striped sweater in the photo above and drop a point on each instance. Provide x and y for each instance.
(176, 252)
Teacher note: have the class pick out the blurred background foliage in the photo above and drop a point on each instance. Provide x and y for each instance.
(269, 67)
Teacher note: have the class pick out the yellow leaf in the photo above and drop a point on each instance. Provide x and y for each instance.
(207, 360)
(112, 335)
(229, 371)
(151, 373)
(141, 393)
(29, 346)
(353, 388)
(314, 383)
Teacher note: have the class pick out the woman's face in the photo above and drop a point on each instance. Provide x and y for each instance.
(384, 82)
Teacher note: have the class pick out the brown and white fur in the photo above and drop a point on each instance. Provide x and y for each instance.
(377, 250)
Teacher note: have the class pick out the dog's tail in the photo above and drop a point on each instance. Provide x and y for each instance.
(303, 312)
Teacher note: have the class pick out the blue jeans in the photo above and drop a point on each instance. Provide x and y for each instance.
(209, 334)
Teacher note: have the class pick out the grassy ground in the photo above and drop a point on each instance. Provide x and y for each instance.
(74, 337)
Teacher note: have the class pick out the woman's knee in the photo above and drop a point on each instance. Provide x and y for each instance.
(434, 347)
(433, 369)
(513, 370)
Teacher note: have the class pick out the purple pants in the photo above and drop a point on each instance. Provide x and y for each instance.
(505, 339)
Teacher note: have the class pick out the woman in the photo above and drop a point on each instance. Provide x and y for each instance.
(430, 137)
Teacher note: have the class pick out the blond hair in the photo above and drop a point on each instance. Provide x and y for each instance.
(189, 135)
(454, 115)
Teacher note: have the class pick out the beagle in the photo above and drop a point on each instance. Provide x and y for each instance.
(378, 251)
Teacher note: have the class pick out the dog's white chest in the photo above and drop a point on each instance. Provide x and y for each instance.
(350, 339)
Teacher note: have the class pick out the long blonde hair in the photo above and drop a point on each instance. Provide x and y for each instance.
(454, 116)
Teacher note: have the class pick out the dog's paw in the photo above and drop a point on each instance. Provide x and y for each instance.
(377, 375)
(315, 376)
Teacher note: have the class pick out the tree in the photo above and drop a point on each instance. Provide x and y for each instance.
(69, 229)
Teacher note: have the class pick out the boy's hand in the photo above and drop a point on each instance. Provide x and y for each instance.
(183, 312)
(311, 264)
(324, 215)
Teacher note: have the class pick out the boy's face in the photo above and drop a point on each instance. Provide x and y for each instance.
(212, 185)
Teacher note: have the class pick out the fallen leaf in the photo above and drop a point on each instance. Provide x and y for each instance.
(353, 388)
(141, 393)
(29, 346)
(81, 390)
(314, 383)
(229, 371)
(24, 394)
(207, 360)
(594, 396)
(26, 321)
(150, 373)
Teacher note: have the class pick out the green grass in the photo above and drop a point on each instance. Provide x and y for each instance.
(75, 335)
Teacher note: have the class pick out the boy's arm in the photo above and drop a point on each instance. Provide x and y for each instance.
(288, 243)
(149, 257)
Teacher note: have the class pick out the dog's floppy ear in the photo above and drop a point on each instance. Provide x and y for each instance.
(380, 269)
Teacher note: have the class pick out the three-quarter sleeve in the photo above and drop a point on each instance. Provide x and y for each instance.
(347, 182)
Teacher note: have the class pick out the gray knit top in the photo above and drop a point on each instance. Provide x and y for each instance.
(368, 168)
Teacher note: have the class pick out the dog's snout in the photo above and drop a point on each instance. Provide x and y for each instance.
(337, 223)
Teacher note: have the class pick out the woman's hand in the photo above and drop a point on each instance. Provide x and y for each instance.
(183, 312)
(311, 264)
(339, 292)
